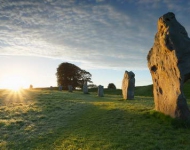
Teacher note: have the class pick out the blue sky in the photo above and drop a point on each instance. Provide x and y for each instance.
(104, 37)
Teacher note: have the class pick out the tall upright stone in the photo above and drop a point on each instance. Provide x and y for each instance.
(51, 88)
(85, 87)
(70, 88)
(128, 85)
(60, 88)
(100, 91)
(169, 65)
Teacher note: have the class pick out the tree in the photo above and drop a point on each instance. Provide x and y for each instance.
(85, 76)
(111, 86)
(70, 74)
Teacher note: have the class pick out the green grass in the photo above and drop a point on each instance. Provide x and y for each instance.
(187, 89)
(144, 90)
(45, 120)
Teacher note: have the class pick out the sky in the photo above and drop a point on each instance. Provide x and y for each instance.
(104, 37)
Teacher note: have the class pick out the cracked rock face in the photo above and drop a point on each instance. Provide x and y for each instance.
(128, 85)
(169, 65)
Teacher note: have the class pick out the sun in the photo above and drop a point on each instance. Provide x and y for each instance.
(14, 82)
(15, 88)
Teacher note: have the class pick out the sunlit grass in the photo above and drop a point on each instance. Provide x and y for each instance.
(14, 95)
(54, 120)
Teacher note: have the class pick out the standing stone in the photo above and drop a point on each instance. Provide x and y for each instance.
(100, 91)
(85, 88)
(60, 88)
(51, 88)
(169, 65)
(31, 86)
(128, 85)
(70, 88)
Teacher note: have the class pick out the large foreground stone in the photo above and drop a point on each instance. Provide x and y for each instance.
(169, 64)
(128, 85)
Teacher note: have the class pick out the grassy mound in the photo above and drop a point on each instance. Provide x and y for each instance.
(144, 90)
(187, 89)
(139, 91)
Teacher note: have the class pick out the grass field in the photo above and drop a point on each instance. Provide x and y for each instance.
(54, 120)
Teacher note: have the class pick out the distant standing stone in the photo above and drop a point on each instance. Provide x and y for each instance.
(51, 88)
(60, 88)
(70, 88)
(100, 91)
(31, 86)
(85, 88)
(128, 85)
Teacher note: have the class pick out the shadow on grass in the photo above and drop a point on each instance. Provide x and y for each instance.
(62, 120)
(174, 122)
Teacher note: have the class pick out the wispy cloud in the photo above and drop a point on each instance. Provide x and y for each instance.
(95, 33)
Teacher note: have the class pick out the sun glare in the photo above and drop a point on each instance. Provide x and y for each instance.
(14, 82)
(15, 88)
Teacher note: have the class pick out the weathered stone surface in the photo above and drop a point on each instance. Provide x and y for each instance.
(85, 88)
(100, 91)
(128, 85)
(169, 65)
(70, 88)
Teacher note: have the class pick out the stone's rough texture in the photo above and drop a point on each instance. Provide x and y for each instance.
(85, 88)
(70, 88)
(100, 91)
(128, 85)
(169, 64)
